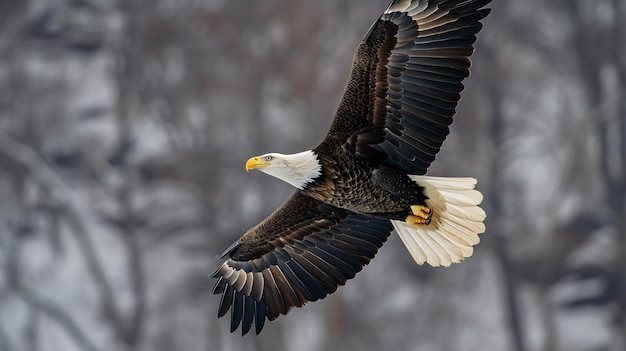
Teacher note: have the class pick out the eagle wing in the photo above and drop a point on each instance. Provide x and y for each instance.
(406, 80)
(300, 253)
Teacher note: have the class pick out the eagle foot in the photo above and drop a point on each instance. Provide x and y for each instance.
(421, 216)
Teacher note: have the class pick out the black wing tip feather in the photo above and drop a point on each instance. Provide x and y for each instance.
(245, 310)
(423, 92)
(229, 250)
(331, 258)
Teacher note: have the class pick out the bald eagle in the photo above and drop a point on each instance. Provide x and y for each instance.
(366, 178)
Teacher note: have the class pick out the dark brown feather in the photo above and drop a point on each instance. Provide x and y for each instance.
(405, 81)
(314, 248)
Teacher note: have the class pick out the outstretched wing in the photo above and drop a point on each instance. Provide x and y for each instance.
(302, 252)
(406, 80)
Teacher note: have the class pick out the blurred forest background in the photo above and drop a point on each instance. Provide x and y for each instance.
(125, 125)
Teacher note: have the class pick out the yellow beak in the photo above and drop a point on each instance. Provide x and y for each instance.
(255, 163)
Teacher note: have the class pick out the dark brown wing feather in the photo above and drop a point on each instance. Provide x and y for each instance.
(406, 80)
(302, 252)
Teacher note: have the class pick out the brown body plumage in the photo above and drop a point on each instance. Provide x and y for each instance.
(346, 182)
(365, 178)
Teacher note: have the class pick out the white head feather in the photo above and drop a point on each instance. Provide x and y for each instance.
(296, 169)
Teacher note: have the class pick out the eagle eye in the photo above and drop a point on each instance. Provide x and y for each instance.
(268, 158)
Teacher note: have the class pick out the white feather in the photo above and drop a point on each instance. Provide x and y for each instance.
(296, 169)
(457, 220)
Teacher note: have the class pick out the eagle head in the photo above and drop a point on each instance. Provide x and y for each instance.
(296, 169)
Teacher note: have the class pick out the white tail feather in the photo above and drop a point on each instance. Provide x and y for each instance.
(457, 220)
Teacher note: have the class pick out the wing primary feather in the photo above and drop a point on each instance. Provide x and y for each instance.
(248, 315)
(357, 246)
(274, 300)
(295, 282)
(454, 30)
(460, 53)
(427, 129)
(467, 7)
(346, 247)
(309, 281)
(226, 301)
(230, 249)
(408, 148)
(448, 63)
(347, 257)
(258, 284)
(327, 268)
(324, 279)
(237, 312)
(429, 147)
(261, 314)
(290, 297)
(219, 287)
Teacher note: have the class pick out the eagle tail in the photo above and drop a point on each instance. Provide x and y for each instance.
(454, 221)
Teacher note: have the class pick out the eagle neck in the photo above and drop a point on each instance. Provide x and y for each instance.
(305, 168)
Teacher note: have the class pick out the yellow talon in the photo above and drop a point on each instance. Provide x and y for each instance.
(422, 215)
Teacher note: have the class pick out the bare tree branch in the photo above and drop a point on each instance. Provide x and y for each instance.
(57, 188)
(32, 298)
(5, 341)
